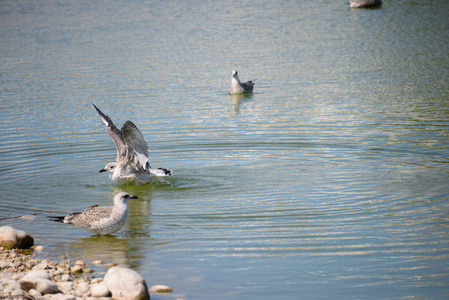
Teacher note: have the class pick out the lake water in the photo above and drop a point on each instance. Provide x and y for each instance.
(331, 181)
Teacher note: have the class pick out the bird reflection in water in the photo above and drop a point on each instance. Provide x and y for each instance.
(238, 99)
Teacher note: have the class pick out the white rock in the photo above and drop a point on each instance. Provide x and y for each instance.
(126, 284)
(34, 293)
(100, 290)
(65, 277)
(16, 293)
(60, 297)
(5, 264)
(29, 281)
(45, 286)
(17, 276)
(11, 238)
(96, 280)
(82, 288)
(39, 248)
(65, 287)
(42, 266)
(11, 286)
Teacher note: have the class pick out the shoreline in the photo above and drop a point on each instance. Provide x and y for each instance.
(71, 277)
(66, 279)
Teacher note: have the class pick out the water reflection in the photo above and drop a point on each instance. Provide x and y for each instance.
(109, 248)
(238, 99)
(332, 177)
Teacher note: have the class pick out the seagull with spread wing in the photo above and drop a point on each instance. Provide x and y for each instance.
(132, 154)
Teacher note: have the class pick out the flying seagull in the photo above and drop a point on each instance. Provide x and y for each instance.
(101, 219)
(132, 154)
(238, 87)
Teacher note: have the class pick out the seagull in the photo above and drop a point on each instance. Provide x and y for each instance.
(364, 3)
(132, 154)
(239, 88)
(101, 219)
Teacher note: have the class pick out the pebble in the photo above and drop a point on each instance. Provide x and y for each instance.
(110, 265)
(77, 269)
(161, 289)
(100, 290)
(65, 277)
(52, 280)
(82, 288)
(39, 248)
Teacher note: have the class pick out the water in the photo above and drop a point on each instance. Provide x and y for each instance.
(330, 182)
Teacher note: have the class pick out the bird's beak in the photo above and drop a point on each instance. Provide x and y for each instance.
(134, 197)
(102, 170)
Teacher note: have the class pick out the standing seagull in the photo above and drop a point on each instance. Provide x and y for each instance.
(132, 154)
(101, 219)
(239, 88)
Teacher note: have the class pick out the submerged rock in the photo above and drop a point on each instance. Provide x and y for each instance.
(161, 289)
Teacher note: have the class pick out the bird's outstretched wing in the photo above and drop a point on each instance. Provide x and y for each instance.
(114, 132)
(137, 150)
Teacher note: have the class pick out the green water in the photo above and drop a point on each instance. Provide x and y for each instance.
(329, 182)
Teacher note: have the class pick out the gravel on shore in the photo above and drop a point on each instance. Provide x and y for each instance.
(70, 277)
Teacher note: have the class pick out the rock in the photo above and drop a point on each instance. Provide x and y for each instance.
(97, 262)
(11, 286)
(17, 293)
(60, 297)
(40, 281)
(5, 264)
(76, 269)
(41, 266)
(109, 265)
(82, 288)
(45, 286)
(65, 287)
(81, 263)
(96, 280)
(126, 284)
(11, 238)
(34, 293)
(100, 290)
(161, 289)
(65, 277)
(29, 281)
(39, 248)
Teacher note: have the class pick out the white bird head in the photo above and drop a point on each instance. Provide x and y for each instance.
(123, 197)
(110, 167)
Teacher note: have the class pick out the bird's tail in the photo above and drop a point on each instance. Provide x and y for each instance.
(67, 219)
(56, 218)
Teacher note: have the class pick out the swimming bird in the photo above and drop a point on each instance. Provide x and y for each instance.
(131, 164)
(238, 87)
(101, 219)
(364, 3)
